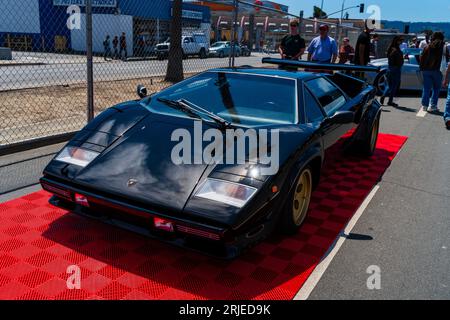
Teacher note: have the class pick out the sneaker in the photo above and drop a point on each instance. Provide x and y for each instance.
(424, 108)
(432, 109)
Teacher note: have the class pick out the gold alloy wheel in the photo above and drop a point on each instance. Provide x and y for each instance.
(302, 197)
(374, 135)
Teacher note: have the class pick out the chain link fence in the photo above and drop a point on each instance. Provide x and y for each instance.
(64, 61)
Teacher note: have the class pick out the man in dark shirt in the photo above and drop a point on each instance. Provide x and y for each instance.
(292, 46)
(362, 50)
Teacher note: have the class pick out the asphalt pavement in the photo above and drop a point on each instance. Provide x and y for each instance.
(404, 231)
(68, 72)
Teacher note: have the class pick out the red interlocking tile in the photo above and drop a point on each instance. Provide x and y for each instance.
(38, 242)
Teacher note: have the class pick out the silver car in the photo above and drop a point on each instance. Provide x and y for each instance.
(411, 75)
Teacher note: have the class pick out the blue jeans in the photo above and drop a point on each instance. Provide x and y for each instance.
(447, 107)
(432, 81)
(394, 78)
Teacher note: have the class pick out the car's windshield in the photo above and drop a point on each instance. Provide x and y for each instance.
(218, 44)
(245, 99)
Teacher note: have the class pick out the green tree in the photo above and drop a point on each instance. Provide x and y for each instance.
(318, 13)
(175, 64)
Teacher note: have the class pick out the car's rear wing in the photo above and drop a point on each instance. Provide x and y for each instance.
(320, 66)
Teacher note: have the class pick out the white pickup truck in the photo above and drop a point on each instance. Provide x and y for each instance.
(194, 45)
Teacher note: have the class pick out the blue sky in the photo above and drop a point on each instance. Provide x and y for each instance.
(408, 11)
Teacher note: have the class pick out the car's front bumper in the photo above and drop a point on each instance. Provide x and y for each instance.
(211, 240)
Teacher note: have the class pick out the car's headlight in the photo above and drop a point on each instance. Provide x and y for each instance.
(77, 156)
(233, 194)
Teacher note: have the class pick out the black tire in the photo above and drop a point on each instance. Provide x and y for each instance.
(296, 208)
(380, 82)
(369, 145)
(202, 54)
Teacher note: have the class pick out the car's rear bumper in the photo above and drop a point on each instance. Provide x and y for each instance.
(214, 241)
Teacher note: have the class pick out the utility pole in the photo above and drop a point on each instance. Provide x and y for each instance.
(90, 63)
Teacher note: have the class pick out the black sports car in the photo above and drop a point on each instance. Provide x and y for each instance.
(120, 168)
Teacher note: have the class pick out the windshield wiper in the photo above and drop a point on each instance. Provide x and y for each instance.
(224, 124)
(194, 110)
(178, 105)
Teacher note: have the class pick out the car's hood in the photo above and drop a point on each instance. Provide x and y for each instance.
(140, 166)
(379, 62)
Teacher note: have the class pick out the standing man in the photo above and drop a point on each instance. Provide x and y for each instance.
(107, 48)
(346, 52)
(292, 46)
(447, 106)
(115, 43)
(362, 50)
(123, 46)
(323, 49)
(374, 46)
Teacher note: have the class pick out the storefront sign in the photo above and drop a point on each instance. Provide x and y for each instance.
(82, 3)
(189, 14)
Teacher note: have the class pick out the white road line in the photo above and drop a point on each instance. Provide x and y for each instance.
(316, 275)
(421, 113)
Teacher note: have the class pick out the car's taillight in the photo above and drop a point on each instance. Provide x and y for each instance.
(81, 200)
(62, 193)
(164, 225)
(199, 233)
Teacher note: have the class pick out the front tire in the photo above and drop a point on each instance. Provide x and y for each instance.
(202, 53)
(296, 209)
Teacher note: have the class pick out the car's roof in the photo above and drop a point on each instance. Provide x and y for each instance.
(295, 75)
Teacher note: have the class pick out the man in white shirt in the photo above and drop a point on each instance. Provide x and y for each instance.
(424, 43)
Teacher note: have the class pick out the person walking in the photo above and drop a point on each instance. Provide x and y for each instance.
(292, 46)
(447, 105)
(107, 48)
(396, 61)
(430, 66)
(346, 52)
(323, 49)
(115, 43)
(123, 46)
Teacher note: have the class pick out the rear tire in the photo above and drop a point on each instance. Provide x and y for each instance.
(380, 82)
(370, 144)
(296, 208)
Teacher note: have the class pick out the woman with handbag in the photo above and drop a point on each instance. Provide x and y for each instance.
(431, 65)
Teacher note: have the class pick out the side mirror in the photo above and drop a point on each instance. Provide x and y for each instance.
(342, 117)
(141, 91)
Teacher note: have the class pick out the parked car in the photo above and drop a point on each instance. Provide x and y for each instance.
(222, 49)
(411, 75)
(120, 169)
(195, 45)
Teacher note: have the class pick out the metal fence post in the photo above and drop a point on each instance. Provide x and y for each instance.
(90, 63)
(234, 34)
